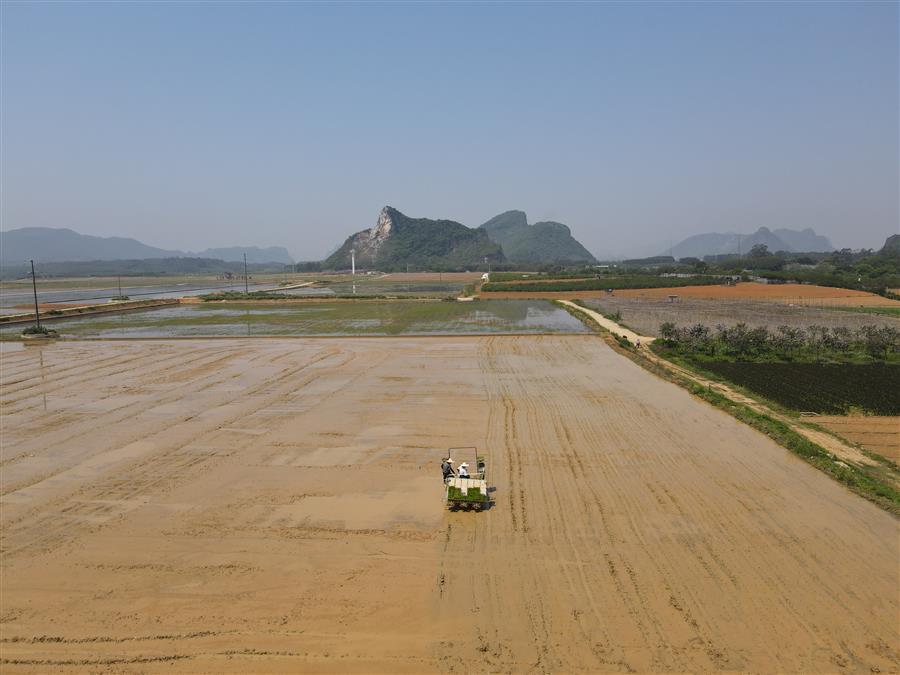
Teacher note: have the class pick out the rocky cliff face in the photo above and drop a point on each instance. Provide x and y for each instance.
(891, 244)
(397, 240)
(368, 243)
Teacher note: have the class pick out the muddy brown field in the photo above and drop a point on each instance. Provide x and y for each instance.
(275, 505)
(878, 434)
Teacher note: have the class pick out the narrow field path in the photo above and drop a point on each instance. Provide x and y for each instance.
(610, 325)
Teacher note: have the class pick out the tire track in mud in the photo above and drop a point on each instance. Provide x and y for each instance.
(96, 503)
(136, 373)
(106, 367)
(85, 426)
(589, 474)
(148, 369)
(117, 414)
(505, 545)
(709, 561)
(555, 508)
(634, 528)
(224, 401)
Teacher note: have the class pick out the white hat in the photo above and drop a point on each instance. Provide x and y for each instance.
(464, 464)
(449, 460)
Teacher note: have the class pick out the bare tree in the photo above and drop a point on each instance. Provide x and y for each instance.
(840, 339)
(880, 341)
(816, 338)
(789, 339)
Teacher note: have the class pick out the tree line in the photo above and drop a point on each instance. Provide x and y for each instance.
(786, 342)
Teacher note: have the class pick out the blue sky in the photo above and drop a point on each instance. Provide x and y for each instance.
(193, 125)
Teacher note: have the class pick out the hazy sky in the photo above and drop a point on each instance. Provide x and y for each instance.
(195, 125)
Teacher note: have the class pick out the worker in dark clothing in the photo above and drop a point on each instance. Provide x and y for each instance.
(447, 468)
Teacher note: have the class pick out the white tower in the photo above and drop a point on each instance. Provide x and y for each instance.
(353, 262)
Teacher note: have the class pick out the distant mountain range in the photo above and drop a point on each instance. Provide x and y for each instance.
(50, 244)
(397, 240)
(717, 243)
(538, 243)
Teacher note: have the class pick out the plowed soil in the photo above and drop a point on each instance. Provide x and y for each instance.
(799, 294)
(275, 505)
(789, 293)
(878, 434)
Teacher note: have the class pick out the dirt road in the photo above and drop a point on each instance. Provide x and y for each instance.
(275, 505)
(613, 327)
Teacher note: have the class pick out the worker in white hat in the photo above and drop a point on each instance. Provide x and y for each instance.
(464, 470)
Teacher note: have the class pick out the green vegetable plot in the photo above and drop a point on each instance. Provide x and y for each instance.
(823, 388)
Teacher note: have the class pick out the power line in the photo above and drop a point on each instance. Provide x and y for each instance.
(37, 314)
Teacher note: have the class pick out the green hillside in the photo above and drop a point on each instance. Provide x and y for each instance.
(543, 242)
(397, 241)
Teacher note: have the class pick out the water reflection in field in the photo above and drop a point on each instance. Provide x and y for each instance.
(326, 318)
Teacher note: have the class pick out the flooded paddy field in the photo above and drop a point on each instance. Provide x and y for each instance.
(363, 286)
(17, 297)
(324, 318)
(276, 506)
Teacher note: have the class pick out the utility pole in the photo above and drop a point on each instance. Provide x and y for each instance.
(119, 279)
(407, 278)
(246, 283)
(37, 314)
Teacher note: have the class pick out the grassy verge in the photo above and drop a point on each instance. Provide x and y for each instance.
(875, 483)
(588, 321)
(615, 316)
(870, 482)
